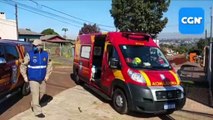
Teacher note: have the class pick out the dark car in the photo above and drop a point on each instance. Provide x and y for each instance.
(12, 53)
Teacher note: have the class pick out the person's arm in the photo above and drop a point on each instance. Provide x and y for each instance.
(49, 69)
(23, 67)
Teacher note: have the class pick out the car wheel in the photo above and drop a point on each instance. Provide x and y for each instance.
(25, 89)
(120, 101)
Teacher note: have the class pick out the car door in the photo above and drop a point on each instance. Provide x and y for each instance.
(84, 62)
(12, 58)
(107, 75)
(4, 71)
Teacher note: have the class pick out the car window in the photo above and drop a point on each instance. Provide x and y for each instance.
(27, 48)
(2, 52)
(85, 51)
(148, 57)
(11, 53)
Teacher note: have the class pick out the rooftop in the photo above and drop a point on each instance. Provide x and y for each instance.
(28, 32)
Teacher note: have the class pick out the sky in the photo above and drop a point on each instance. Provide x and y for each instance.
(96, 11)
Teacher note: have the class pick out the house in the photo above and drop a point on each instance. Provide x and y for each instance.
(28, 35)
(8, 28)
(54, 43)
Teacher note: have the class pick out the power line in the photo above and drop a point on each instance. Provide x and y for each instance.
(54, 16)
(41, 14)
(49, 13)
(71, 15)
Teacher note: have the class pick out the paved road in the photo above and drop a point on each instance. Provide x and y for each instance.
(59, 81)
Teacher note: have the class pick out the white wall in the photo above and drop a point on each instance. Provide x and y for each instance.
(7, 28)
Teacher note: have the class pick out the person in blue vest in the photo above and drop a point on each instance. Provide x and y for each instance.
(36, 69)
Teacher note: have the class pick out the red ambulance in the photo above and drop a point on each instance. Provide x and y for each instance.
(130, 69)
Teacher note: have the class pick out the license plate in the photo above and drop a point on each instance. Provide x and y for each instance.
(169, 106)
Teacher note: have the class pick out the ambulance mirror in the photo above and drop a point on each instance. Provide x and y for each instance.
(114, 63)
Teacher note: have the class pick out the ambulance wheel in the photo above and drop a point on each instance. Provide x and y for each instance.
(169, 112)
(25, 90)
(120, 101)
(77, 79)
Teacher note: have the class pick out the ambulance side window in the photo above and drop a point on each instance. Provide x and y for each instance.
(85, 51)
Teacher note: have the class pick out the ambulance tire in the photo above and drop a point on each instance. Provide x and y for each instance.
(77, 79)
(119, 101)
(169, 112)
(25, 90)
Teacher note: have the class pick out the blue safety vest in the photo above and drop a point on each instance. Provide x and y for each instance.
(37, 66)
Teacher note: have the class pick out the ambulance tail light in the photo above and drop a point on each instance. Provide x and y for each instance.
(136, 76)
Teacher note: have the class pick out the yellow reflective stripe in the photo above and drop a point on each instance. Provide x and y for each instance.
(146, 78)
(106, 44)
(176, 77)
(118, 74)
(92, 38)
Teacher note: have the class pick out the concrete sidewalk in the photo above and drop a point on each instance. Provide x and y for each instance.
(78, 104)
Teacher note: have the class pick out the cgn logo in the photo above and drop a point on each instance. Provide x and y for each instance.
(191, 20)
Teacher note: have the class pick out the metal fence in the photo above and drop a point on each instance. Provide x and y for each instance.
(56, 49)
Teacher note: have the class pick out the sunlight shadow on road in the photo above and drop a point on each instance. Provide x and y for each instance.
(45, 100)
(4, 106)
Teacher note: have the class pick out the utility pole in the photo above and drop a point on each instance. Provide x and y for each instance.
(16, 13)
(209, 73)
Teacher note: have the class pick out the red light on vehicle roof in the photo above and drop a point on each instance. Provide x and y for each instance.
(136, 36)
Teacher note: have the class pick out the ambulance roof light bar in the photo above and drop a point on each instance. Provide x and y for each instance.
(136, 36)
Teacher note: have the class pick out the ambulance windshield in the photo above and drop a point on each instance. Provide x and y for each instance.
(144, 57)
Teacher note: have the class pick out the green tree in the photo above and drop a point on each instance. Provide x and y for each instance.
(140, 15)
(88, 28)
(181, 49)
(201, 44)
(49, 31)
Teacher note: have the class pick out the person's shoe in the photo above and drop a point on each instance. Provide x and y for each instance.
(41, 115)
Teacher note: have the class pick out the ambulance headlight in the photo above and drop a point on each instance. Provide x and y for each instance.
(136, 76)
